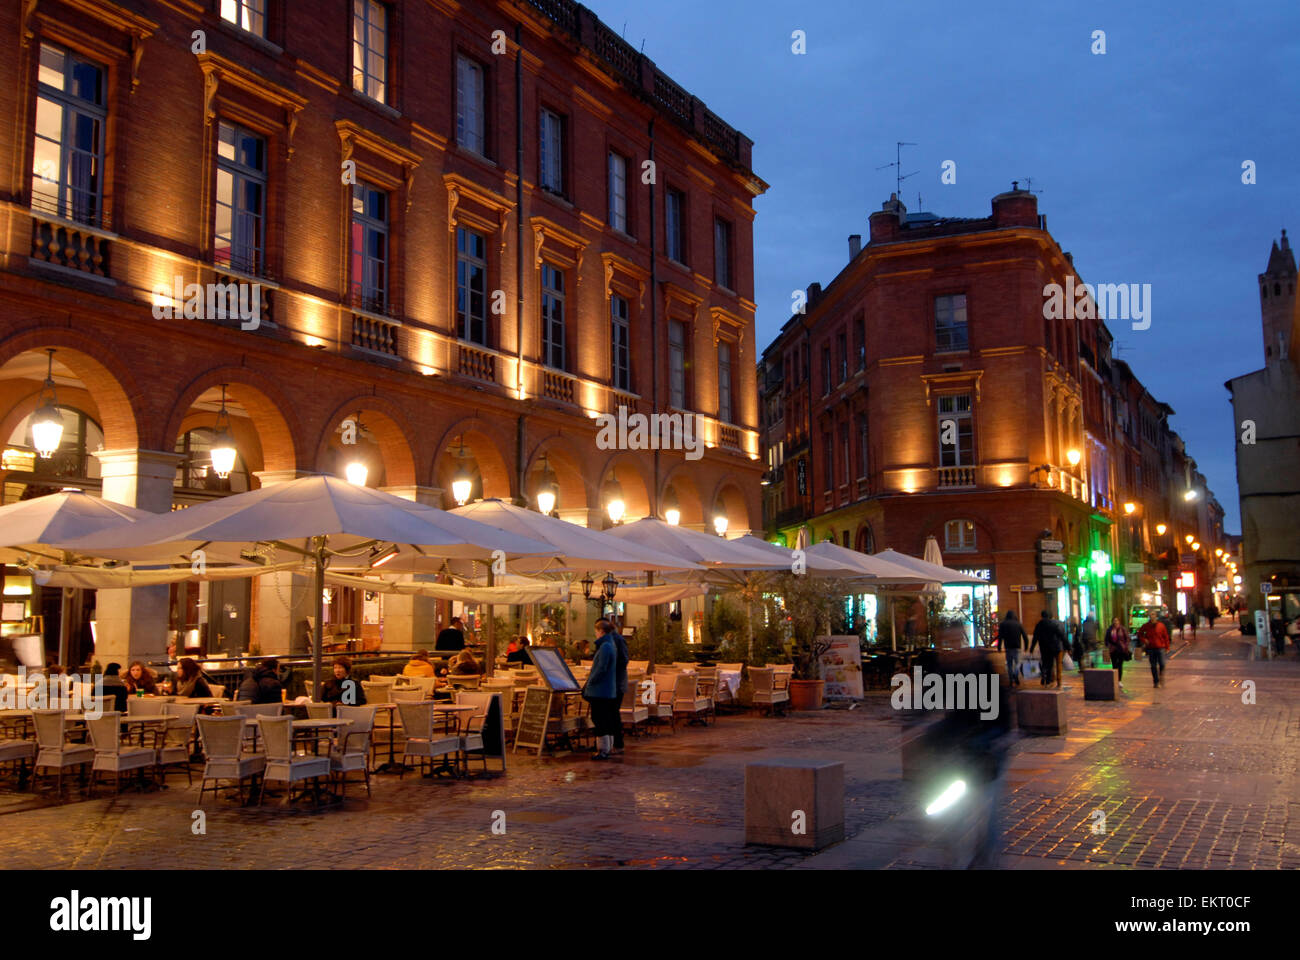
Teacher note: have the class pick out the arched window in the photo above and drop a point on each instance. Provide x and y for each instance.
(959, 536)
(866, 541)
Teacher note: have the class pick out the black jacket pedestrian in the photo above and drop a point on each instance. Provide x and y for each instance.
(1049, 636)
(450, 639)
(261, 686)
(620, 647)
(1010, 632)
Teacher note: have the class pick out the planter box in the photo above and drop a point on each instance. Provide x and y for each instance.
(785, 795)
(1100, 684)
(1042, 712)
(806, 694)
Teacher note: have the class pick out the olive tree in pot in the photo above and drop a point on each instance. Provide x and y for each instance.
(811, 606)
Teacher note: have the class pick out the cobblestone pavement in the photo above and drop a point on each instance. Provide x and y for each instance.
(1186, 776)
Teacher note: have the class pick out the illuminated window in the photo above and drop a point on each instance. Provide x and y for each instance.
(68, 154)
(248, 15)
(370, 48)
(239, 233)
(959, 535)
(369, 248)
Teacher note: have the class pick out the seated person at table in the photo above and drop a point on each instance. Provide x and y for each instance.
(582, 649)
(115, 686)
(140, 679)
(342, 688)
(452, 638)
(190, 680)
(464, 664)
(513, 645)
(262, 685)
(418, 665)
(519, 654)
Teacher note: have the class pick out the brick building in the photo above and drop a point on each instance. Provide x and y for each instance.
(461, 231)
(926, 391)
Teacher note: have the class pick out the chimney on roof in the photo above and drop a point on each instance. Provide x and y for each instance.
(855, 245)
(1015, 208)
(888, 220)
(814, 293)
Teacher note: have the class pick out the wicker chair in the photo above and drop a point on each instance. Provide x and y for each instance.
(687, 700)
(421, 740)
(633, 714)
(140, 707)
(408, 695)
(250, 712)
(765, 692)
(662, 707)
(222, 739)
(281, 764)
(111, 756)
(470, 728)
(55, 751)
(319, 711)
(354, 752)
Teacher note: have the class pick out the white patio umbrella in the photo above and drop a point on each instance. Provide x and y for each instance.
(34, 530)
(881, 570)
(316, 517)
(935, 573)
(707, 550)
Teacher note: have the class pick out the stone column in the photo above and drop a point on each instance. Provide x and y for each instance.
(282, 601)
(131, 624)
(410, 622)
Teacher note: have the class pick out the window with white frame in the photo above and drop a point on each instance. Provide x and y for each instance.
(552, 151)
(369, 267)
(68, 155)
(724, 383)
(675, 225)
(722, 253)
(248, 15)
(552, 316)
(958, 536)
(677, 364)
(620, 344)
(471, 287)
(370, 48)
(956, 431)
(239, 231)
(618, 191)
(950, 322)
(470, 105)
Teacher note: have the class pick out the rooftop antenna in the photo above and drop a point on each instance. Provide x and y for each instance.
(899, 175)
(1029, 185)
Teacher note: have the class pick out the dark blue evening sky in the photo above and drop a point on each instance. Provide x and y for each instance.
(1137, 153)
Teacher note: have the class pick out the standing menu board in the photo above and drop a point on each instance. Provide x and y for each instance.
(842, 667)
(555, 672)
(533, 718)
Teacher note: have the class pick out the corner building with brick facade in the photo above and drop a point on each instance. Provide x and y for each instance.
(473, 227)
(925, 392)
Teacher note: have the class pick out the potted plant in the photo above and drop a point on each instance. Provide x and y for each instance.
(810, 606)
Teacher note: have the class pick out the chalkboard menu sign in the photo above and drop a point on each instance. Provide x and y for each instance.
(531, 730)
(555, 672)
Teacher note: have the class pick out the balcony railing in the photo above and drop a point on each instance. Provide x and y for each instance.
(956, 477)
(375, 334)
(728, 436)
(69, 245)
(558, 386)
(618, 53)
(476, 364)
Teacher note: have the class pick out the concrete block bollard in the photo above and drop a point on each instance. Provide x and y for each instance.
(794, 803)
(1042, 712)
(1100, 685)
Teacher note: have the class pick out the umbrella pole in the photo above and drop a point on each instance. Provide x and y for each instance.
(893, 623)
(491, 623)
(65, 624)
(654, 619)
(318, 634)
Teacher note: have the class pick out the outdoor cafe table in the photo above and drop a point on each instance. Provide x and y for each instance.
(318, 730)
(732, 679)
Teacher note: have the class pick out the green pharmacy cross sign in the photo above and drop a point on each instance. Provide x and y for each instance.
(1100, 563)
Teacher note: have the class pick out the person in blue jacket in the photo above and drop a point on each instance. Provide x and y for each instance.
(601, 691)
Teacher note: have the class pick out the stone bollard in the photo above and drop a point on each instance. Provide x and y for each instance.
(794, 803)
(1042, 712)
(1100, 685)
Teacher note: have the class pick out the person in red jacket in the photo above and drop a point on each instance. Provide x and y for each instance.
(1155, 638)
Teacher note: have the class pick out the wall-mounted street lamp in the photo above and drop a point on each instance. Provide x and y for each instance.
(1160, 529)
(1130, 507)
(223, 450)
(47, 421)
(1074, 456)
(720, 524)
(1189, 538)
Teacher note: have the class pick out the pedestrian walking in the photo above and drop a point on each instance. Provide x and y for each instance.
(1049, 637)
(1117, 645)
(1011, 633)
(1212, 614)
(601, 691)
(1155, 638)
(1089, 641)
(1072, 641)
(1180, 621)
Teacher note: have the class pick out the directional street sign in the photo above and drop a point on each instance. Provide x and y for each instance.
(1052, 583)
(1051, 570)
(1051, 545)
(1051, 557)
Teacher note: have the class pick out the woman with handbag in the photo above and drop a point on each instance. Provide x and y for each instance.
(1117, 643)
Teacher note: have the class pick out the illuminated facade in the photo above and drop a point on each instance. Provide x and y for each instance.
(465, 229)
(927, 392)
